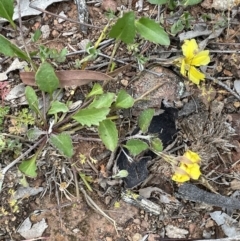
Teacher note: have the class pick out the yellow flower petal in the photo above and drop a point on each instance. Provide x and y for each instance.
(180, 178)
(190, 48)
(183, 68)
(202, 58)
(195, 76)
(192, 156)
(194, 171)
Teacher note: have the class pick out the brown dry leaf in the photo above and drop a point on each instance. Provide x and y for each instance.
(69, 77)
(103, 170)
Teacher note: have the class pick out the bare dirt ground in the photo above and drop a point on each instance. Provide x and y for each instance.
(202, 113)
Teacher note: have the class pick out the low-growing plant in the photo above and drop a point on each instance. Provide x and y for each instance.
(53, 124)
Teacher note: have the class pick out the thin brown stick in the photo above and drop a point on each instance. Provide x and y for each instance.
(58, 16)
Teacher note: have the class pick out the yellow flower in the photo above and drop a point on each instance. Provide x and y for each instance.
(193, 57)
(192, 156)
(188, 170)
(181, 174)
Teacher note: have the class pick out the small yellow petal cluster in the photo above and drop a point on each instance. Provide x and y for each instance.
(193, 57)
(188, 169)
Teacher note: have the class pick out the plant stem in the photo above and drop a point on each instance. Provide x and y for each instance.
(113, 53)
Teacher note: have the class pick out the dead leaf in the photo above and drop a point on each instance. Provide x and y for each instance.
(31, 231)
(69, 77)
(103, 170)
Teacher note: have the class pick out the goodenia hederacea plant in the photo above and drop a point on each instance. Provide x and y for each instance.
(104, 100)
(57, 107)
(108, 133)
(152, 31)
(6, 11)
(145, 119)
(189, 167)
(46, 78)
(63, 143)
(124, 100)
(9, 49)
(136, 146)
(91, 116)
(32, 99)
(96, 90)
(193, 57)
(29, 167)
(126, 28)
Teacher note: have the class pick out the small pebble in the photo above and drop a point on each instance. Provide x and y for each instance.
(136, 237)
(55, 33)
(109, 5)
(45, 31)
(210, 223)
(124, 82)
(137, 221)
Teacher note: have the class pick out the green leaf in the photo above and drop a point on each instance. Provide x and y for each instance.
(57, 107)
(91, 116)
(46, 78)
(191, 2)
(152, 31)
(6, 10)
(108, 133)
(29, 167)
(158, 2)
(34, 133)
(84, 178)
(145, 119)
(135, 146)
(157, 144)
(32, 99)
(96, 90)
(11, 50)
(121, 174)
(104, 100)
(63, 143)
(124, 100)
(124, 28)
(36, 35)
(177, 27)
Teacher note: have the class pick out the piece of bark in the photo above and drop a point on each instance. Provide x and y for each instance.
(193, 193)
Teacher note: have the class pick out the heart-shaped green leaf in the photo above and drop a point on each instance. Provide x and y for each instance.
(124, 100)
(57, 107)
(29, 167)
(108, 133)
(104, 100)
(96, 90)
(135, 146)
(46, 78)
